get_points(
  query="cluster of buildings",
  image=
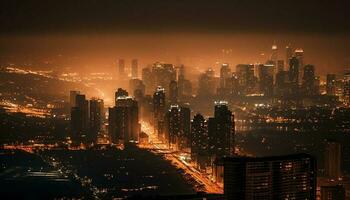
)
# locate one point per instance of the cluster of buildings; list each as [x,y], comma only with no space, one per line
[288,81]
[87,118]
[159,99]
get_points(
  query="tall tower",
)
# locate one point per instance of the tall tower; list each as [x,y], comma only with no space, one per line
[221,130]
[289,53]
[330,84]
[294,74]
[225,73]
[159,111]
[134,68]
[173,92]
[80,118]
[333,159]
[276,177]
[96,118]
[199,141]
[121,67]
[274,54]
[309,80]
[126,126]
[299,54]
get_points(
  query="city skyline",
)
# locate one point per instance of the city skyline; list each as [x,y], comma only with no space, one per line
[166,99]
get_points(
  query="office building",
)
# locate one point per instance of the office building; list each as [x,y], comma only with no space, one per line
[221,131]
[199,141]
[121,67]
[334,192]
[331,84]
[333,159]
[134,68]
[159,111]
[277,177]
[173,92]
[96,118]
[178,127]
[309,86]
[124,120]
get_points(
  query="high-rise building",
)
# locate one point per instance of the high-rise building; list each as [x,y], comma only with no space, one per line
[159,111]
[309,80]
[280,66]
[294,74]
[333,159]
[207,83]
[173,92]
[265,74]
[278,177]
[346,90]
[148,80]
[124,120]
[225,74]
[120,93]
[282,83]
[247,80]
[178,125]
[136,84]
[80,118]
[134,68]
[299,54]
[96,118]
[199,141]
[221,131]
[334,192]
[181,80]
[289,53]
[121,67]
[163,74]
[72,96]
[331,84]
[274,54]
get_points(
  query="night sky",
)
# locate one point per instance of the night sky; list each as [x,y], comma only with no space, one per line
[100,32]
[18,16]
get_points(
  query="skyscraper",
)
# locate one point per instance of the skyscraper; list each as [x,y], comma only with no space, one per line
[221,131]
[278,177]
[289,53]
[274,54]
[96,118]
[247,80]
[346,90]
[173,92]
[178,124]
[72,96]
[265,73]
[333,159]
[225,73]
[121,67]
[299,54]
[199,141]
[80,118]
[309,80]
[134,68]
[294,75]
[136,84]
[207,83]
[159,111]
[124,120]
[331,84]
[336,192]
[120,93]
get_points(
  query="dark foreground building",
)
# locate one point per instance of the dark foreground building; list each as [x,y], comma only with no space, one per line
[277,177]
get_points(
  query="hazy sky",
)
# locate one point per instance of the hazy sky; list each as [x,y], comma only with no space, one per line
[99,32]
